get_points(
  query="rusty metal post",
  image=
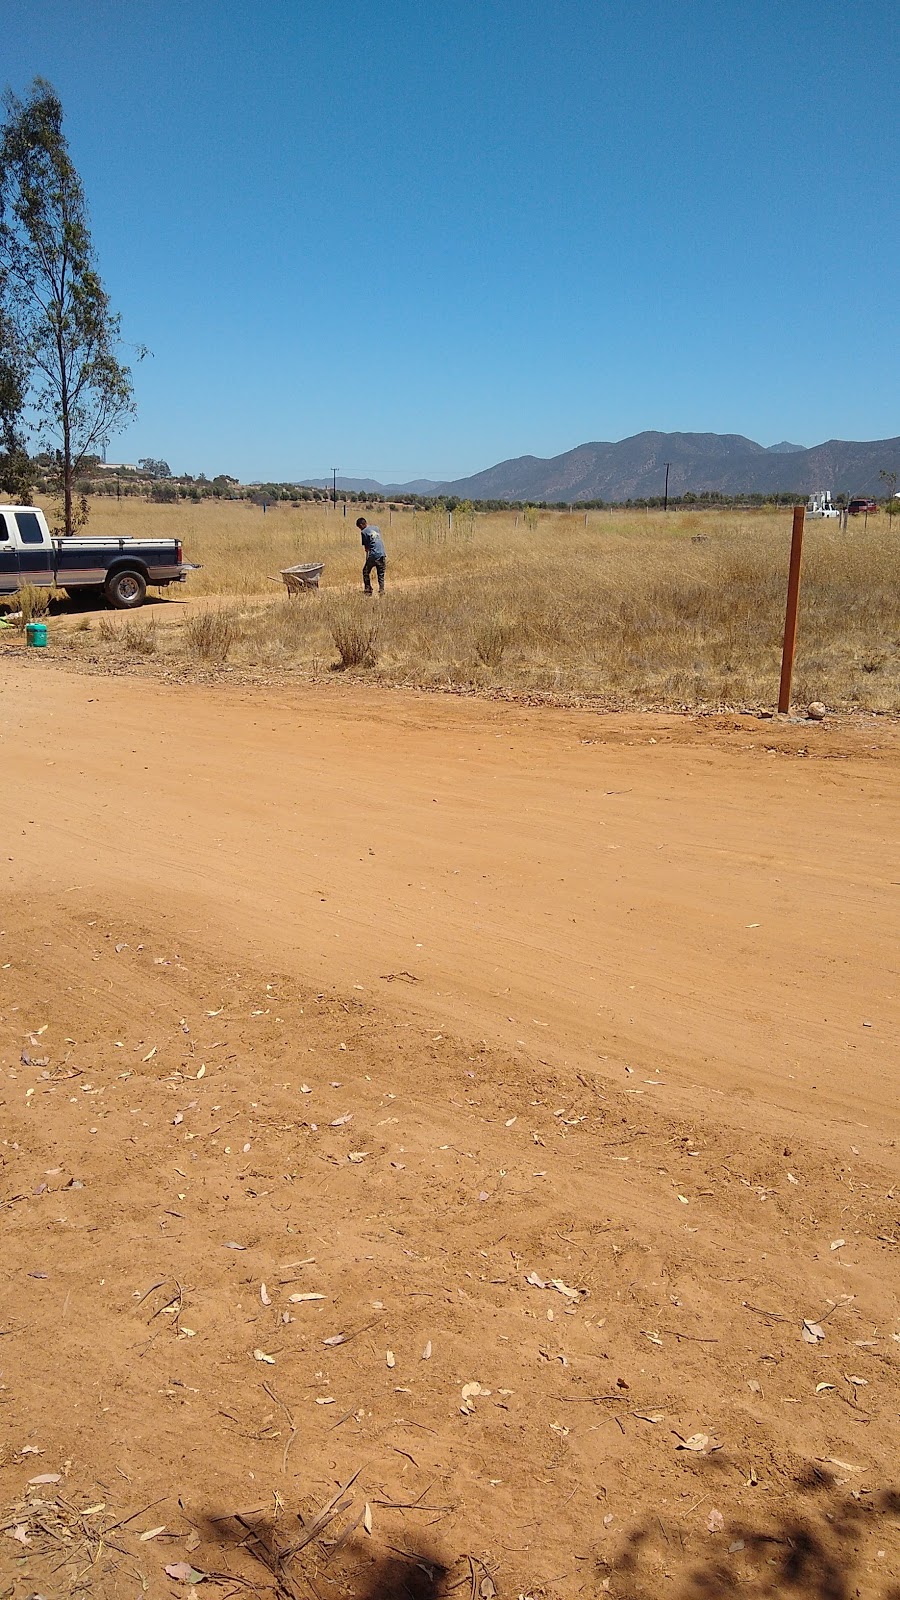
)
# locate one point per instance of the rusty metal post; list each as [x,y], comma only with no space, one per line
[790,613]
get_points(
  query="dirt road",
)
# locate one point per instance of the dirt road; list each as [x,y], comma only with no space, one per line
[669,894]
[612,1001]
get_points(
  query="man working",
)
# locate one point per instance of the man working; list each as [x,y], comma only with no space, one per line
[373,544]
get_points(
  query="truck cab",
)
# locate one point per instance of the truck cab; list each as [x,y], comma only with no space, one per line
[26,551]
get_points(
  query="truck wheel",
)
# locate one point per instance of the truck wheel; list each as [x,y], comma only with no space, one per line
[126,590]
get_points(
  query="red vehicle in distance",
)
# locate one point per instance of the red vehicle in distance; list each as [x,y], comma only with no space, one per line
[860,505]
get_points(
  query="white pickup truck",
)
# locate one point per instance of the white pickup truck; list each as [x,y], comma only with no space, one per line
[120,569]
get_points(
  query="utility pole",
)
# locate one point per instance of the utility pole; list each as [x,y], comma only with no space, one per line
[334,473]
[666,493]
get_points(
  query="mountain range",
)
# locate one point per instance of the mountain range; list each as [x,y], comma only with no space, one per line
[426,486]
[635,469]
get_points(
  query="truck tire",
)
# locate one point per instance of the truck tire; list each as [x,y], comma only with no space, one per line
[126,589]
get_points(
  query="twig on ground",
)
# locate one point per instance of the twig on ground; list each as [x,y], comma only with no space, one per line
[774,1316]
[293,1434]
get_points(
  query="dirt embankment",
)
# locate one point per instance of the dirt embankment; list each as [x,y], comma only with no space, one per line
[333,1000]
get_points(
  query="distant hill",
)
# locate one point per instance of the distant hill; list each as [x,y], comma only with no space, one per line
[635,469]
[727,463]
[426,486]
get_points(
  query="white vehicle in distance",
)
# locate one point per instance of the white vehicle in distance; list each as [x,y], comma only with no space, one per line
[821,505]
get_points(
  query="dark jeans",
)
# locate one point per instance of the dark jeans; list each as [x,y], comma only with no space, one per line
[373,564]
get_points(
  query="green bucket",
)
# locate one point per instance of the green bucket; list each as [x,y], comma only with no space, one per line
[36,634]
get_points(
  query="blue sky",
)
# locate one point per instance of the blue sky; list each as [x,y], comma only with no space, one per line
[412,240]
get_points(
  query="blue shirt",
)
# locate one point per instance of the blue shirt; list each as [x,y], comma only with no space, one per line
[372,541]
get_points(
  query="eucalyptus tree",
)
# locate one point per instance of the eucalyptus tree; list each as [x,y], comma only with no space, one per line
[61,334]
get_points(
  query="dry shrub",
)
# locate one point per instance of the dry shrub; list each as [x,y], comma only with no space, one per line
[210,634]
[135,637]
[27,603]
[490,642]
[355,631]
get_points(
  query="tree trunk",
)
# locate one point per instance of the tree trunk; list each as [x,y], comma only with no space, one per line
[68,528]
[68,514]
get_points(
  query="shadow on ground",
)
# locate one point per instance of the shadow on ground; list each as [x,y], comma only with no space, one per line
[300,1561]
[836,1543]
[828,1548]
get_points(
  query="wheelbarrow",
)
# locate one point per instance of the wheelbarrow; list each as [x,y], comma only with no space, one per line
[304,576]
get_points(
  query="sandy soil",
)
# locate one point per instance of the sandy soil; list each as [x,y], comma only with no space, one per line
[556,1053]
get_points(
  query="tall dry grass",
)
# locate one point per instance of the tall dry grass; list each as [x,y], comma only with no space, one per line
[679,610]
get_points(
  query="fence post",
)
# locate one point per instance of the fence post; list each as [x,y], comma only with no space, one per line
[790,613]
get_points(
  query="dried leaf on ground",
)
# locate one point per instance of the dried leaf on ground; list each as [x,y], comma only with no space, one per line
[698,1442]
[538,1282]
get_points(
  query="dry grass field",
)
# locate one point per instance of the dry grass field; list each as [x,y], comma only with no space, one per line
[632,609]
